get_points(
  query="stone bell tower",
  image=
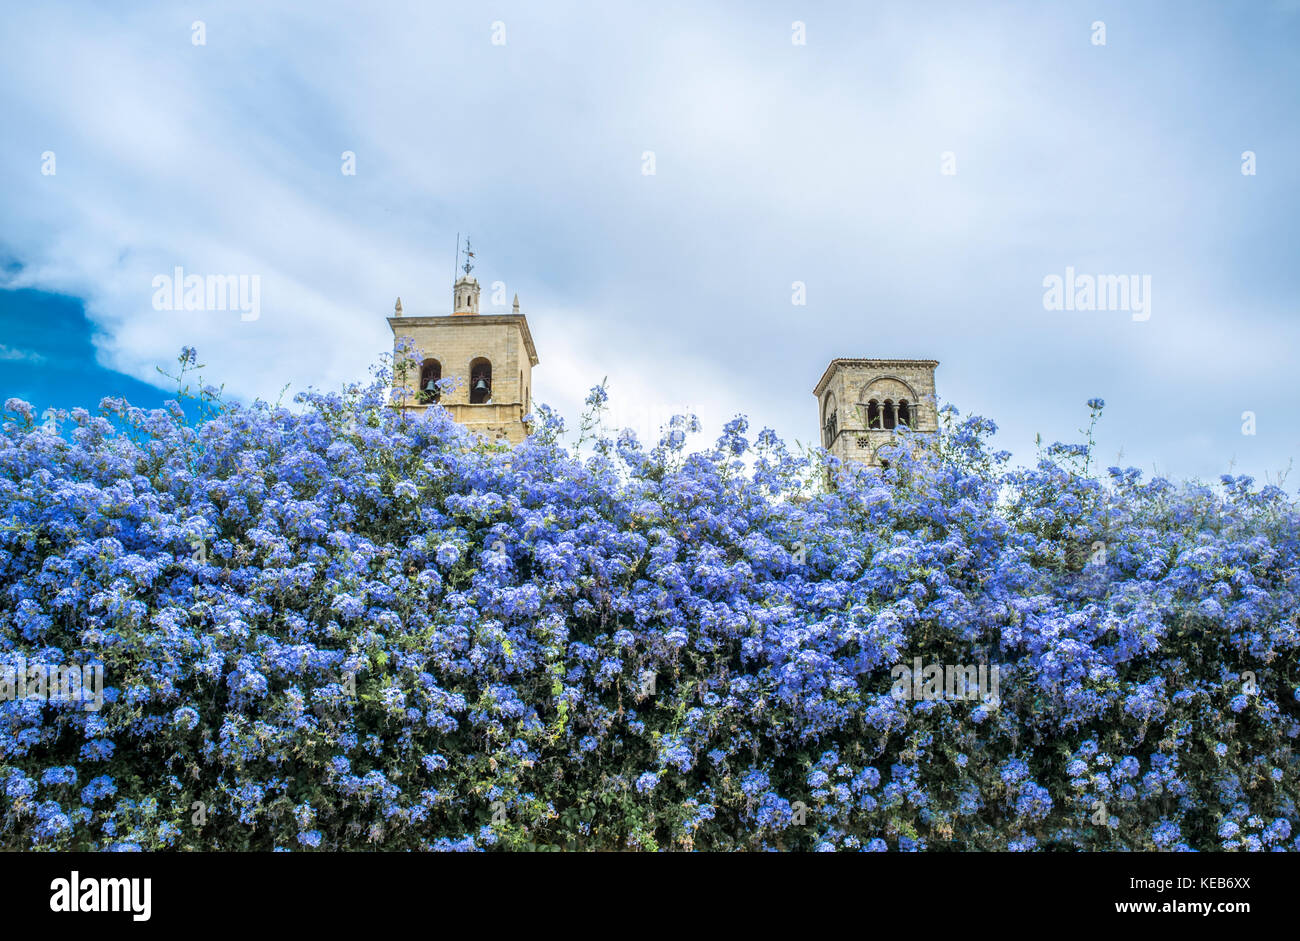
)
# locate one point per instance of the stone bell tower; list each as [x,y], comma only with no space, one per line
[491,355]
[862,403]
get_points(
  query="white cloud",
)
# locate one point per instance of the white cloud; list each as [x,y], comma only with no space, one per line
[14,355]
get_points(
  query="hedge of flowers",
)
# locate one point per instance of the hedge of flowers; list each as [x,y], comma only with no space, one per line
[354,626]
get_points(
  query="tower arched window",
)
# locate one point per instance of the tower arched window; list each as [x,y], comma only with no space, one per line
[830,419]
[873,414]
[480,382]
[891,419]
[430,374]
[904,413]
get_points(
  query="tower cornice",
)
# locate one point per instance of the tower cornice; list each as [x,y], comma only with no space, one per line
[459,320]
[868,364]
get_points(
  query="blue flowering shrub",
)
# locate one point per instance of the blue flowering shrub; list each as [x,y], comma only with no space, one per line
[350,625]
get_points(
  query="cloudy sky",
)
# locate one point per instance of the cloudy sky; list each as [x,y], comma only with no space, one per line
[526,125]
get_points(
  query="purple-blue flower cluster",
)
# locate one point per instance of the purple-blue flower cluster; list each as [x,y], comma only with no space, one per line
[346,625]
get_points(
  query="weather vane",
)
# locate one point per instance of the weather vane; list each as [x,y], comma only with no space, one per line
[468,255]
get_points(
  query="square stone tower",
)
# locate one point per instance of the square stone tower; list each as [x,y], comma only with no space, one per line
[862,401]
[492,354]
